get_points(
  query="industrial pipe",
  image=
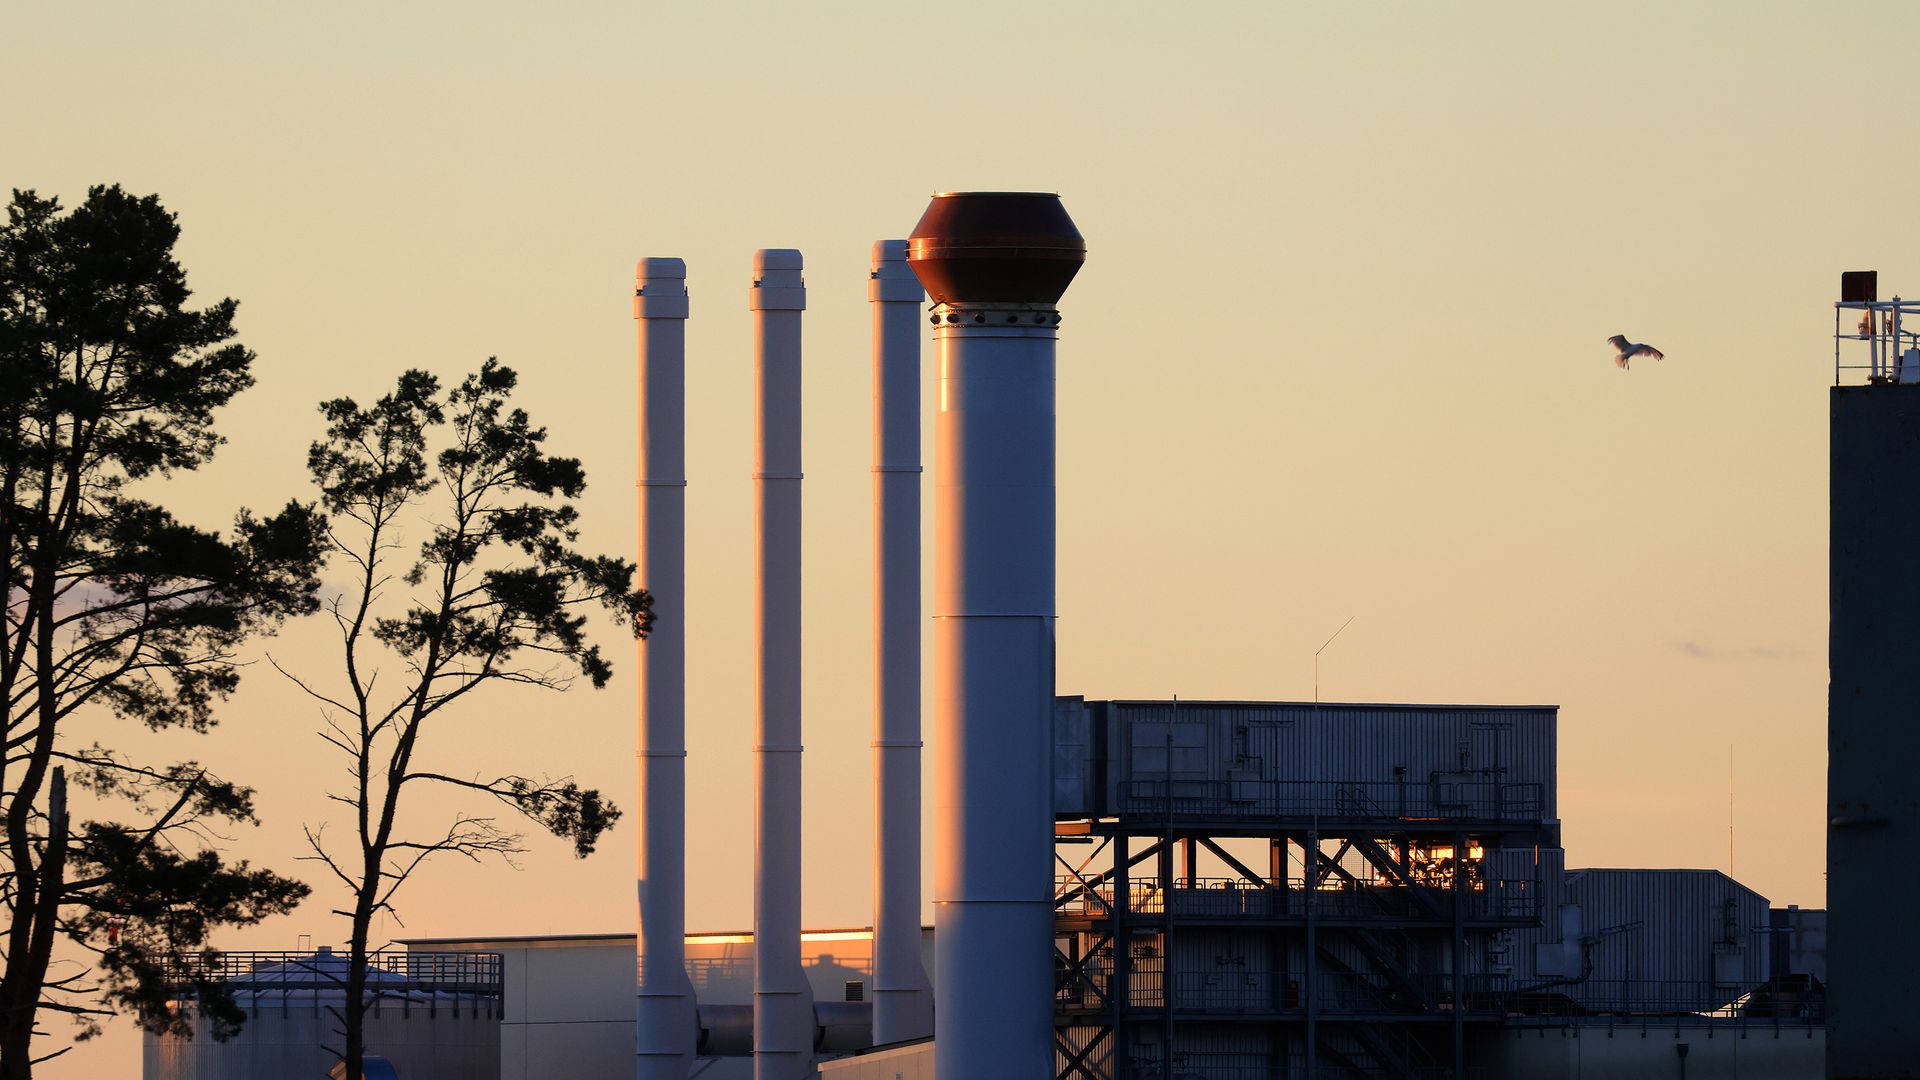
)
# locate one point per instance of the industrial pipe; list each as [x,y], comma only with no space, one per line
[995,265]
[666,1029]
[842,1027]
[902,996]
[726,1030]
[783,1028]
[839,1027]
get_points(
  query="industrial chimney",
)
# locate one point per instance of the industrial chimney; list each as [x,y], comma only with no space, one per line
[783,1023]
[902,998]
[995,264]
[665,1026]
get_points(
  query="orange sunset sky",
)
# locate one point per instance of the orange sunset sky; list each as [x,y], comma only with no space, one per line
[1338,350]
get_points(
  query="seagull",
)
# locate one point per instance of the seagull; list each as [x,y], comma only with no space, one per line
[1628,350]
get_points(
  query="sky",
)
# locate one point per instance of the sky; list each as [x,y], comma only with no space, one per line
[1338,351]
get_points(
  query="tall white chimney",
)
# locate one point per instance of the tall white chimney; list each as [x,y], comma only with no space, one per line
[995,264]
[783,1024]
[902,996]
[666,1030]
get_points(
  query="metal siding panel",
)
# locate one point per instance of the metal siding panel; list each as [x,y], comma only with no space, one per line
[1684,918]
[1072,758]
[1360,744]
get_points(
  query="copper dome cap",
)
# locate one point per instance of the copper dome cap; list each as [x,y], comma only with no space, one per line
[1013,247]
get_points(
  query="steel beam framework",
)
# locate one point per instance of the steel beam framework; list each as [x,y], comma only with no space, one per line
[1357,950]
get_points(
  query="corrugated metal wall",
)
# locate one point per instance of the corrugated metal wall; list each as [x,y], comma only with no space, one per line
[1236,749]
[1697,926]
[1680,940]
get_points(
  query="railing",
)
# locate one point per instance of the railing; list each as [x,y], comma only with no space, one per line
[1260,1067]
[1661,1000]
[1888,328]
[395,975]
[1231,990]
[1442,801]
[1515,900]
[1228,989]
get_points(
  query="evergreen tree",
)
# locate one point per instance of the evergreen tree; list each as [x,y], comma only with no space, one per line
[495,595]
[114,608]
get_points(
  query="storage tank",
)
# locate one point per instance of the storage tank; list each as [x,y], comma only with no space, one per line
[433,1016]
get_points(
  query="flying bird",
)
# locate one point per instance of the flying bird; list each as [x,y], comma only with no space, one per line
[1628,350]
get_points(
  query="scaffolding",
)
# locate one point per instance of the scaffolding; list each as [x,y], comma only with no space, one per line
[1346,928]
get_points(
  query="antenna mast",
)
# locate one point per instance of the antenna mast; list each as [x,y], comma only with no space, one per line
[1321,649]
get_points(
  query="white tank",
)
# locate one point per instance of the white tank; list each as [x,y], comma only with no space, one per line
[436,1016]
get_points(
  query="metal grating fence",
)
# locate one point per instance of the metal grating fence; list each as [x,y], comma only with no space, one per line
[399,977]
[1440,804]
[1516,900]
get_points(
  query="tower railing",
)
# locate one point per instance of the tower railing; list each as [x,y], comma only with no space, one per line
[1885,340]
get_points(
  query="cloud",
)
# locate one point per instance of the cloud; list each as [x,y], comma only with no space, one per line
[1700,650]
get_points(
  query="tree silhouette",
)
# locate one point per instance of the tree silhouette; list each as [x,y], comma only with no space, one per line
[495,594]
[115,608]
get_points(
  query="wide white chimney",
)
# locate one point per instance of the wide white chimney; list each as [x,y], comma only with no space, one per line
[783,1023]
[995,265]
[902,996]
[665,1027]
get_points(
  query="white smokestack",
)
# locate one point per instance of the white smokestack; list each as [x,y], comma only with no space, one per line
[902,996]
[995,264]
[782,1002]
[665,1027]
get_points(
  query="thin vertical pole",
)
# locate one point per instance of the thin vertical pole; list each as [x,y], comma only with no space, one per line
[1120,990]
[1310,855]
[1459,956]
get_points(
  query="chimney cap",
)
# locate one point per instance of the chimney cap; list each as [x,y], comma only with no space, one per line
[1016,247]
[658,267]
[778,259]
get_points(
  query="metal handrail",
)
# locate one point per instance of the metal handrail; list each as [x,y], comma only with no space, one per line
[1228,1066]
[480,974]
[1228,988]
[1888,335]
[1355,800]
[1504,898]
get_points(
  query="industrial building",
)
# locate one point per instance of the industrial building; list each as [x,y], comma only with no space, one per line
[1222,909]
[1874,597]
[1126,890]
